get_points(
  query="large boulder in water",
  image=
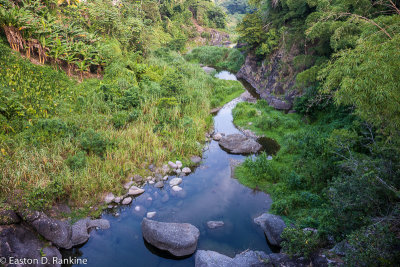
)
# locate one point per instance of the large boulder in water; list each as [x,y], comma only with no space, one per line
[207,258]
[20,242]
[180,239]
[273,226]
[239,144]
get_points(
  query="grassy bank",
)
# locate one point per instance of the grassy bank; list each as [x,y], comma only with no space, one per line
[63,140]
[322,178]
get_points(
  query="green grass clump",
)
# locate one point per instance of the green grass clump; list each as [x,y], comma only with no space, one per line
[219,57]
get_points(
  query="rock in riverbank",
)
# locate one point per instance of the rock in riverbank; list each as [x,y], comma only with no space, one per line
[180,239]
[239,144]
[20,242]
[215,224]
[207,258]
[273,226]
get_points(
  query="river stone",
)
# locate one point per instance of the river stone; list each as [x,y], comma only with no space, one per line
[159,184]
[118,199]
[172,165]
[151,214]
[208,70]
[239,144]
[109,198]
[8,217]
[165,177]
[179,164]
[186,170]
[127,201]
[195,159]
[178,171]
[273,226]
[215,224]
[137,178]
[180,239]
[248,258]
[134,191]
[175,181]
[217,136]
[176,188]
[20,242]
[128,185]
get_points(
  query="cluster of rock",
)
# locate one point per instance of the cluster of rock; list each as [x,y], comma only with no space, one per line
[19,234]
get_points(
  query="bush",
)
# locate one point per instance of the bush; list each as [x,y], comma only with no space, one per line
[77,161]
[120,119]
[93,142]
[299,242]
[48,130]
[375,245]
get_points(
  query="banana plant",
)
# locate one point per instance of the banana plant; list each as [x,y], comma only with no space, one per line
[70,57]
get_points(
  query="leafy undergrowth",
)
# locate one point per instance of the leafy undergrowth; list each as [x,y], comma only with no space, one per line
[219,57]
[323,177]
[61,140]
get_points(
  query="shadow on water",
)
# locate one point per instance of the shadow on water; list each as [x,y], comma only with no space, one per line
[269,145]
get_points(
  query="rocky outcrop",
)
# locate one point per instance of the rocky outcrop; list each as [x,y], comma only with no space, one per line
[180,239]
[62,233]
[239,144]
[273,226]
[248,258]
[21,242]
[271,82]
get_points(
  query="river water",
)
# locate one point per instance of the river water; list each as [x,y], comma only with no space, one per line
[209,193]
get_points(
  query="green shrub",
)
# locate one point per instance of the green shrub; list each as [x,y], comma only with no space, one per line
[375,245]
[299,242]
[48,130]
[93,142]
[43,197]
[120,119]
[76,161]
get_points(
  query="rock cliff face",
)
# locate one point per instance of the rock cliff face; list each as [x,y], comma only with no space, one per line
[272,78]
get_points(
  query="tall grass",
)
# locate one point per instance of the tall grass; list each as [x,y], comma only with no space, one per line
[86,155]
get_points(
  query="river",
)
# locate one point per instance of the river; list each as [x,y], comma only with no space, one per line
[209,193]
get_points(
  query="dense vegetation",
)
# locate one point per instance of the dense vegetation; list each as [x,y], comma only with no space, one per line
[73,139]
[338,167]
[219,57]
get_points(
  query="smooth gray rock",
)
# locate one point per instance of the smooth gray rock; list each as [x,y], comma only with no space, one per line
[165,169]
[239,144]
[137,178]
[215,224]
[172,165]
[179,164]
[208,70]
[186,170]
[176,188]
[109,198]
[135,191]
[217,136]
[207,258]
[127,201]
[195,159]
[175,181]
[8,217]
[273,226]
[159,184]
[151,214]
[21,242]
[180,239]
[128,185]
